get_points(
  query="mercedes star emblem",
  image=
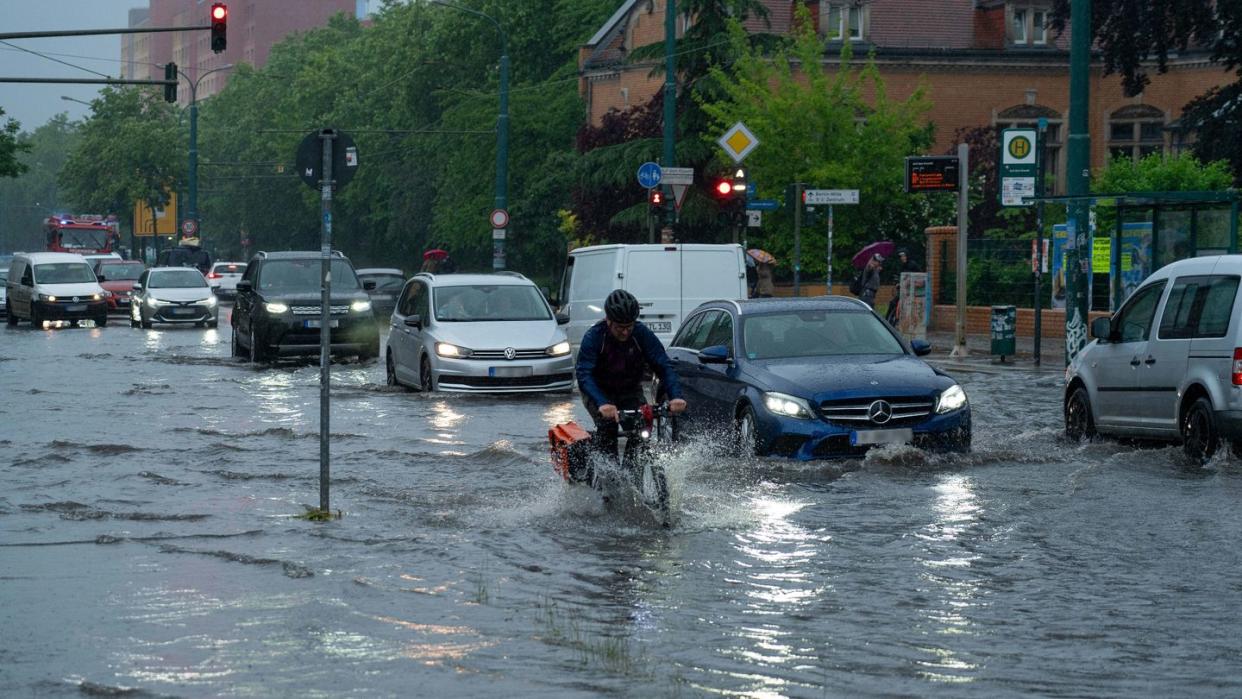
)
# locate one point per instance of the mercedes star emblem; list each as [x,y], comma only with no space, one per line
[510,353]
[880,412]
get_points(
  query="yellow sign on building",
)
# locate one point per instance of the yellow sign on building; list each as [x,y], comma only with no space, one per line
[165,219]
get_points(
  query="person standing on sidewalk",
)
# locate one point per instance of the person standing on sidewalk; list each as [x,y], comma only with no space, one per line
[871,279]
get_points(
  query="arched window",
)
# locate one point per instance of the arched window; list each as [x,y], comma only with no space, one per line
[1027,116]
[1135,131]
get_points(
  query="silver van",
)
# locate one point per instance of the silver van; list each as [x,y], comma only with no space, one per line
[54,286]
[1168,364]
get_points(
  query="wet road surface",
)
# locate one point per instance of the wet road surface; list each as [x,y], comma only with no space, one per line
[149,541]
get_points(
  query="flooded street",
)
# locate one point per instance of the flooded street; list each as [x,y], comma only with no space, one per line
[150,540]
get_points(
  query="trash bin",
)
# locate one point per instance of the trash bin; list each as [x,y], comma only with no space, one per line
[1004,330]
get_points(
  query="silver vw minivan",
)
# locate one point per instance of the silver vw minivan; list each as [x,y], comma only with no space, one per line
[1168,364]
[492,333]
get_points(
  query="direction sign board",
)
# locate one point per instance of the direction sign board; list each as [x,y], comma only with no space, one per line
[932,173]
[738,142]
[820,197]
[1019,166]
[678,175]
[649,175]
[763,205]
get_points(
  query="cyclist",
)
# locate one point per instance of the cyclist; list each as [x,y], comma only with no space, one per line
[611,359]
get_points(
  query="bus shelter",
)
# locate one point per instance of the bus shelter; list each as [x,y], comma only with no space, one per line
[1135,233]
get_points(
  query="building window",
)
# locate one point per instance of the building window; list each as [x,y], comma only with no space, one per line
[841,20]
[1028,25]
[1135,132]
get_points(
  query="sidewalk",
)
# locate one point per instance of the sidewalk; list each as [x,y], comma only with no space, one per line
[981,359]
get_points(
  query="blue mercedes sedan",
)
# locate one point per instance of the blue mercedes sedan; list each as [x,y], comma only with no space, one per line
[812,378]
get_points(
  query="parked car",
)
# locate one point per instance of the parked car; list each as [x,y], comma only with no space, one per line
[388,285]
[53,286]
[173,295]
[4,290]
[1168,364]
[278,307]
[812,378]
[117,277]
[477,332]
[224,276]
[653,273]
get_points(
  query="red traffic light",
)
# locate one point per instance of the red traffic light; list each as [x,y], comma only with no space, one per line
[724,188]
[219,26]
[655,197]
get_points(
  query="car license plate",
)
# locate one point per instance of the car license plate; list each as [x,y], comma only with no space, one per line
[316,323]
[660,326]
[508,372]
[864,437]
[181,311]
[75,308]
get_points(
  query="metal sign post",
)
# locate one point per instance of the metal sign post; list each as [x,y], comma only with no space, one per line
[830,197]
[963,205]
[326,159]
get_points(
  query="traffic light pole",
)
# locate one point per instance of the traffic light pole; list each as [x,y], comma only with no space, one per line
[798,239]
[1078,176]
[670,100]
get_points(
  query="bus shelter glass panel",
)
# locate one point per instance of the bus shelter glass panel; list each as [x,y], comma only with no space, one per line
[1212,232]
[1173,240]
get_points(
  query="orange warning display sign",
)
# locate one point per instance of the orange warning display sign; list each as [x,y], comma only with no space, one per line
[934,173]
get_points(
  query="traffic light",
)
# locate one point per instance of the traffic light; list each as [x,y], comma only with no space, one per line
[170,91]
[219,25]
[655,197]
[723,190]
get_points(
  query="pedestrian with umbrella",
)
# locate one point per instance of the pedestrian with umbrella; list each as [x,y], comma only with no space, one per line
[764,262]
[871,261]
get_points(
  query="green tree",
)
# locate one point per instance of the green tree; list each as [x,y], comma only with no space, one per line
[1158,173]
[1136,35]
[29,198]
[130,150]
[829,130]
[10,147]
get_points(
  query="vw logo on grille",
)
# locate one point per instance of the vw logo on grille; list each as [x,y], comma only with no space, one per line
[75,298]
[510,353]
[880,412]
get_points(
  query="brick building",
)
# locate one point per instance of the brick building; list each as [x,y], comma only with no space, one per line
[254,26]
[987,62]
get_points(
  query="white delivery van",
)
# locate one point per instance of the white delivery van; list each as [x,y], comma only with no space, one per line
[668,280]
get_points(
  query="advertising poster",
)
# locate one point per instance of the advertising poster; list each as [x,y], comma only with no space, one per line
[1135,261]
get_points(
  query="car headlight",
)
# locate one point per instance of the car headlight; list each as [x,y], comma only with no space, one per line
[210,301]
[360,306]
[444,349]
[156,303]
[560,349]
[787,405]
[951,398]
[276,307]
[46,297]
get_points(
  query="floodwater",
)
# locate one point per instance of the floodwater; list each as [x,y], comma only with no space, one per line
[150,545]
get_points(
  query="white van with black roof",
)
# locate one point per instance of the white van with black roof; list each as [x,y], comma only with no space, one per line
[1168,364]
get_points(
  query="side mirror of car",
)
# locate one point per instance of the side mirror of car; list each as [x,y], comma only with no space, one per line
[921,348]
[1102,329]
[414,320]
[244,285]
[562,318]
[368,285]
[716,354]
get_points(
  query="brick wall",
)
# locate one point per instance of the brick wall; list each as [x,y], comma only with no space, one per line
[979,320]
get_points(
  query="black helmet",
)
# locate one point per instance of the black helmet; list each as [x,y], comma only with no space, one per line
[621,307]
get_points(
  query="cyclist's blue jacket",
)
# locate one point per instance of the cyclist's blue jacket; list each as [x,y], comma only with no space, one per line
[608,367]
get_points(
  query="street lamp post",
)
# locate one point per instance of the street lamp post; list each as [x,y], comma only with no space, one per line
[192,204]
[502,133]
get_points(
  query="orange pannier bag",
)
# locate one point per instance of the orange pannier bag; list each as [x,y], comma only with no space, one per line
[570,445]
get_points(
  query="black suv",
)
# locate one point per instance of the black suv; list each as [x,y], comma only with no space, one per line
[277,312]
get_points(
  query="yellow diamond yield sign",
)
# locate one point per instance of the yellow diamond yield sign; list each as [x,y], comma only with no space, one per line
[738,142]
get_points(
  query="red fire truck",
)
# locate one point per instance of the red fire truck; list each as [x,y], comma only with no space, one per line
[86,234]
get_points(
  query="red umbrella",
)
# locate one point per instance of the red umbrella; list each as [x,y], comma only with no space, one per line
[435,254]
[884,248]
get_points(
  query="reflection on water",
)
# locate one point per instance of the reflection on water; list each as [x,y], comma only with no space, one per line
[948,553]
[278,396]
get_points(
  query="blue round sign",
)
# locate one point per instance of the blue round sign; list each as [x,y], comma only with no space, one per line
[649,175]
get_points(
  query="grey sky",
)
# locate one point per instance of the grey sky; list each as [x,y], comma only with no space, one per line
[34,104]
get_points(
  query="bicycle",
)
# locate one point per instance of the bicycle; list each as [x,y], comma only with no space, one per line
[643,429]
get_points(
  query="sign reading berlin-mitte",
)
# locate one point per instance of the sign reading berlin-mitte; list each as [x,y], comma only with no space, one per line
[931,173]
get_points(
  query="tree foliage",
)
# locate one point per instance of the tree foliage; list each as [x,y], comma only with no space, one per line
[130,149]
[1157,173]
[831,130]
[1134,35]
[29,198]
[10,147]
